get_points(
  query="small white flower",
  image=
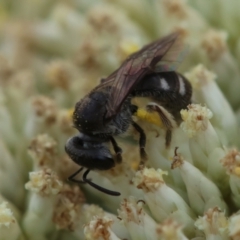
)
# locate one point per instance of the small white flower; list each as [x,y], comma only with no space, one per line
[9,226]
[202,192]
[214,224]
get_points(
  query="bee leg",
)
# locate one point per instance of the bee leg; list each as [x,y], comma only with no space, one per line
[168,138]
[142,143]
[101,189]
[117,150]
[71,178]
[166,118]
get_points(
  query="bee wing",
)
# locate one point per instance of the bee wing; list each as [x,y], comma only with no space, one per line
[173,58]
[160,56]
[105,82]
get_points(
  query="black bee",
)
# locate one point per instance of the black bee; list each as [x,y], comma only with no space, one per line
[107,110]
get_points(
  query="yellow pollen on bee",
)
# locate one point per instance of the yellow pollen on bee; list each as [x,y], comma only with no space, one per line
[151,117]
[237,171]
[70,112]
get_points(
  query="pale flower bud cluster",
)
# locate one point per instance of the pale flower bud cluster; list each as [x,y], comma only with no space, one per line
[67,210]
[195,119]
[9,226]
[214,224]
[52,53]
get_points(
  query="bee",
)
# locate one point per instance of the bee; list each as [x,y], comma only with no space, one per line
[107,110]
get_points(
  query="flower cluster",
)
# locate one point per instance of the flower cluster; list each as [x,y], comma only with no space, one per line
[52,53]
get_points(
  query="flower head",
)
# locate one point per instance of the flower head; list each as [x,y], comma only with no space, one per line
[52,56]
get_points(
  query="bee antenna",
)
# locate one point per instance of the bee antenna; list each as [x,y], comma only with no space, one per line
[101,189]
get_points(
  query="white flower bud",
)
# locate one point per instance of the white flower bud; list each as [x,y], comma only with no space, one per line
[223,116]
[214,224]
[43,114]
[42,149]
[66,214]
[44,186]
[139,224]
[170,230]
[205,144]
[234,226]
[202,193]
[100,228]
[231,162]
[163,201]
[9,227]
[195,119]
[10,176]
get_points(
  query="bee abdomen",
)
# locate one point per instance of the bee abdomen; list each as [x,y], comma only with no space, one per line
[170,89]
